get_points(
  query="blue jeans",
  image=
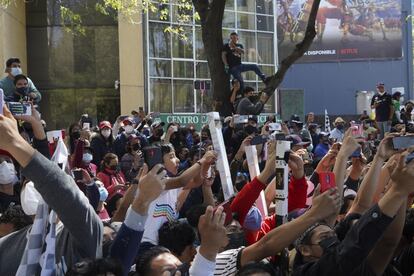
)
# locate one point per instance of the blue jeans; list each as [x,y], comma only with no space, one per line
[384,127]
[236,71]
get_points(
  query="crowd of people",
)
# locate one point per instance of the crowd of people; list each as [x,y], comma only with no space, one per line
[141,197]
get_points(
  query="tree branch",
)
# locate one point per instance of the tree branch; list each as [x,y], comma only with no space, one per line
[297,53]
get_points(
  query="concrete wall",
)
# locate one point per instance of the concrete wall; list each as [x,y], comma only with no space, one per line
[131,62]
[13,34]
[333,85]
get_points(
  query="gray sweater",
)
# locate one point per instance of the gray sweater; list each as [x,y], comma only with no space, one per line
[246,107]
[81,234]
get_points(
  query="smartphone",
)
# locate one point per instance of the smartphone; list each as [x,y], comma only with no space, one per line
[152,156]
[275,127]
[258,140]
[357,153]
[78,175]
[240,119]
[86,126]
[327,181]
[1,101]
[402,142]
[17,108]
[358,130]
[409,158]
[226,209]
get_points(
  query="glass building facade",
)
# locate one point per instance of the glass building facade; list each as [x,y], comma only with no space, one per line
[174,64]
[75,73]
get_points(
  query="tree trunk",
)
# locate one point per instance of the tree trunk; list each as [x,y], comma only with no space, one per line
[211,16]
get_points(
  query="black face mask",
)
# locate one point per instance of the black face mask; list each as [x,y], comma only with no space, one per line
[249,129]
[252,98]
[329,243]
[113,167]
[23,91]
[340,126]
[158,132]
[75,135]
[136,147]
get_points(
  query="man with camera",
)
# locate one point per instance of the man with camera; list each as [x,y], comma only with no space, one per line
[384,110]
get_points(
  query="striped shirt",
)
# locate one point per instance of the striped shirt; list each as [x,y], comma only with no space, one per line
[228,262]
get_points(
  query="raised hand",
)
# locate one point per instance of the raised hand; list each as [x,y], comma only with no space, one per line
[326,204]
[385,149]
[212,232]
[296,165]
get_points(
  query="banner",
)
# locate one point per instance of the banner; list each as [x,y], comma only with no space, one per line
[345,29]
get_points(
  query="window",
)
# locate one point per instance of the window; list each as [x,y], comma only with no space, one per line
[174,64]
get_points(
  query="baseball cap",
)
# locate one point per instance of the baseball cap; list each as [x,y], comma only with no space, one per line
[253,220]
[105,124]
[296,140]
[127,121]
[380,84]
[157,124]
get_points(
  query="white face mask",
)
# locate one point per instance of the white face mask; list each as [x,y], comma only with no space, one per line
[16,71]
[87,157]
[7,173]
[29,199]
[129,129]
[106,133]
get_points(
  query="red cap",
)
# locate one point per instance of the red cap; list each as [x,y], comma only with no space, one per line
[6,153]
[105,124]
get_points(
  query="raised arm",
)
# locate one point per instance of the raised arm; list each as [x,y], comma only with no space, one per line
[324,205]
[365,196]
[57,189]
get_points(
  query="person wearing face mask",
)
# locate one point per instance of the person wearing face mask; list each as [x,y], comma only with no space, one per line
[114,181]
[132,160]
[102,143]
[8,179]
[83,157]
[323,147]
[246,106]
[384,109]
[339,131]
[22,92]
[13,69]
[157,132]
[121,139]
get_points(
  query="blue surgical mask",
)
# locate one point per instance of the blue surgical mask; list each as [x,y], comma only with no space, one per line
[103,193]
[16,71]
[87,158]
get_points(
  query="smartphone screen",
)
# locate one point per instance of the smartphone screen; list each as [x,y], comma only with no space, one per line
[86,126]
[77,174]
[258,140]
[327,181]
[402,142]
[17,108]
[152,156]
[357,130]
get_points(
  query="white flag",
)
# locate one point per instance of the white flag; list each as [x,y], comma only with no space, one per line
[60,156]
[327,122]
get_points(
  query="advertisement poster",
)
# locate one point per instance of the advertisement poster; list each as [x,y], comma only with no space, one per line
[345,29]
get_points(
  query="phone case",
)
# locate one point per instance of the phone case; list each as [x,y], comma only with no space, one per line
[327,181]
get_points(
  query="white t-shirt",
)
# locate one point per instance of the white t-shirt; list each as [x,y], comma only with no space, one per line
[161,210]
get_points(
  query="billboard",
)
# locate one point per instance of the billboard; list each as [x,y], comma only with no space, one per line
[345,29]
